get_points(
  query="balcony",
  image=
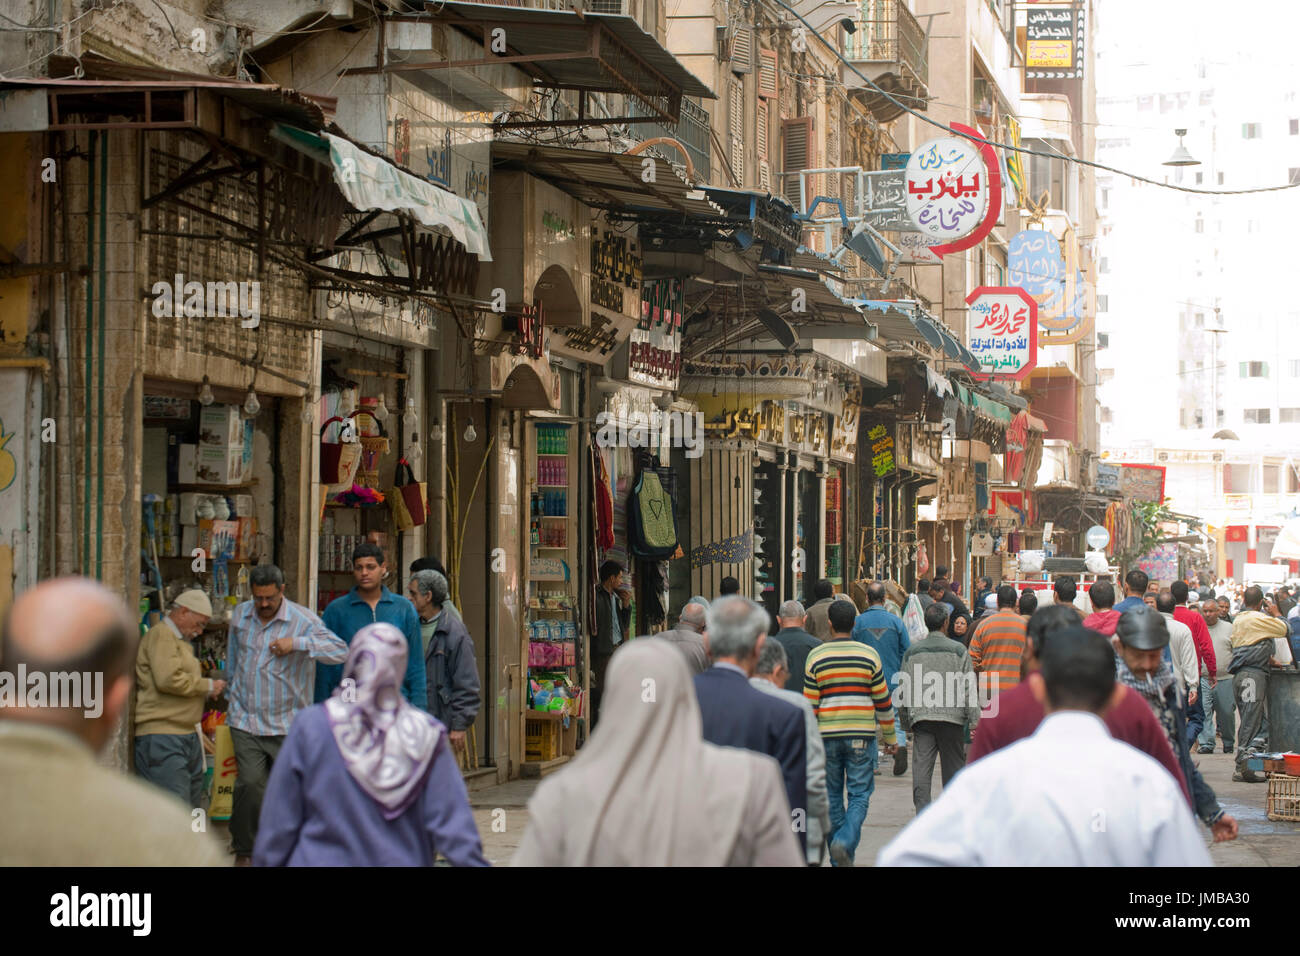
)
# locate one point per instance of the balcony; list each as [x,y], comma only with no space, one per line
[890,49]
[691,131]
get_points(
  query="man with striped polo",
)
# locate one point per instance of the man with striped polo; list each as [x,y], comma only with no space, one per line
[998,646]
[845,682]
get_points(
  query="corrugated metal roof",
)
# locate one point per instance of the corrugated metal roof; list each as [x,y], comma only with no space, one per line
[605,180]
[534,31]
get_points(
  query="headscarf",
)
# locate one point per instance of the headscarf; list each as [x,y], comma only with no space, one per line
[647,790]
[1153,689]
[386,744]
[963,639]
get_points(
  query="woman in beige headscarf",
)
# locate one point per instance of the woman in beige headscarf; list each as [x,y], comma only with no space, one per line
[647,790]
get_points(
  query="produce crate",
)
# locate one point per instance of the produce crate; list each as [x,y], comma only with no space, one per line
[1283,797]
[542,737]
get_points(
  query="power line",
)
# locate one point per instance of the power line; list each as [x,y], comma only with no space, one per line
[1007,146]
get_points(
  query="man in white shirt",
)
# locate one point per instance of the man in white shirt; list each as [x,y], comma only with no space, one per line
[1070,795]
[770,676]
[1182,648]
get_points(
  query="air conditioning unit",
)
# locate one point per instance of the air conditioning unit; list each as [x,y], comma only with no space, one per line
[1162,456]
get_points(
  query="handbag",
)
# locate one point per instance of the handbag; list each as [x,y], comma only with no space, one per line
[338,460]
[408,499]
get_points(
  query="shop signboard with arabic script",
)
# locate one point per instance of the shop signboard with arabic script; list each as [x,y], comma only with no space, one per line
[947,189]
[1003,331]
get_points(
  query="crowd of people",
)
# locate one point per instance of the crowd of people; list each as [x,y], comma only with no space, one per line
[1064,730]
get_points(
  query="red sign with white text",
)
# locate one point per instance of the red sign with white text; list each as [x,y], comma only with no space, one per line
[1003,324]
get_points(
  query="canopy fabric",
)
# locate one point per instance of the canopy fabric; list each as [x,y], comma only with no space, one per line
[370,182]
[1287,545]
[989,407]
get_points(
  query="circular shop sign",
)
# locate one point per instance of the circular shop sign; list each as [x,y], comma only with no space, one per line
[947,188]
[1097,537]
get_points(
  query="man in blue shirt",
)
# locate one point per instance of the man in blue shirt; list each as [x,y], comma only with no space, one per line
[879,629]
[368,602]
[1135,585]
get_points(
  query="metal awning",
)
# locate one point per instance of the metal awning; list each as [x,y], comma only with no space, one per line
[567,49]
[828,314]
[904,320]
[609,181]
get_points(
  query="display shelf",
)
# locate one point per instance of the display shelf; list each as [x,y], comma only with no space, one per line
[177,488]
[557,487]
[544,517]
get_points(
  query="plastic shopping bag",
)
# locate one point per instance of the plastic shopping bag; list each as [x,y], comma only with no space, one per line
[914,620]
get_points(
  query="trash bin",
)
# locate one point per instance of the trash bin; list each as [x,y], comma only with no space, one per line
[1284,710]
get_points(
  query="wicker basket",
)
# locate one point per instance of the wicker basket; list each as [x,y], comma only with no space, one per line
[1283,797]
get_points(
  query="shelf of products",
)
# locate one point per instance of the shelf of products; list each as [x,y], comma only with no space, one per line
[833,570]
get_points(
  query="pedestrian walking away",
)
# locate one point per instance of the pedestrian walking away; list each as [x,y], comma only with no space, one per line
[690,636]
[1259,643]
[796,641]
[886,634]
[1220,704]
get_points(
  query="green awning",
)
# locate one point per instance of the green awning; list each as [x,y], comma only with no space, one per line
[990,408]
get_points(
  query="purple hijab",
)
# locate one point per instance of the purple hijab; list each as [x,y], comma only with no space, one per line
[386,744]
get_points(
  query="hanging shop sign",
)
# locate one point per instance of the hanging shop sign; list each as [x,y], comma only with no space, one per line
[655,345]
[1107,477]
[530,331]
[1054,42]
[615,271]
[894,160]
[1143,482]
[954,190]
[1048,269]
[441,143]
[1003,331]
[882,450]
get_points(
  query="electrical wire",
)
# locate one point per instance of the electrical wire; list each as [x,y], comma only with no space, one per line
[1019,149]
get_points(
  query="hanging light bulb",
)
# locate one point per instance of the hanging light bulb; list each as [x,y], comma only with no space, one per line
[251,405]
[413,451]
[206,397]
[435,433]
[470,434]
[411,418]
[381,412]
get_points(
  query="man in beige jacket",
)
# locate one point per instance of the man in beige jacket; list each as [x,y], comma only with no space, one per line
[60,807]
[169,693]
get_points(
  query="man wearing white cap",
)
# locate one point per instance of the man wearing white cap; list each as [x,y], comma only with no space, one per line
[170,690]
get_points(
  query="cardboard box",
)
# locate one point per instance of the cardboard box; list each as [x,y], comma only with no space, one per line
[244,507]
[220,464]
[187,465]
[188,501]
[246,540]
[221,425]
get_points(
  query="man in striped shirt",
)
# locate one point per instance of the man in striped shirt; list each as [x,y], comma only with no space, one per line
[998,646]
[270,659]
[845,682]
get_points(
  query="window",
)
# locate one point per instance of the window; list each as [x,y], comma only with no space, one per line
[1200,224]
[1198,320]
[1107,416]
[1207,97]
[1270,479]
[1293,175]
[1252,130]
[1182,418]
[1220,179]
[1288,415]
[1200,177]
[1103,303]
[1182,367]
[1198,419]
[1295,127]
[1253,369]
[1048,172]
[1103,341]
[1218,417]
[1145,102]
[1256,416]
[1166,103]
[1105,199]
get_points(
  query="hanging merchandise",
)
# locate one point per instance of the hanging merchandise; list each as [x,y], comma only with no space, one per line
[652,526]
[407,498]
[339,460]
[374,443]
[922,561]
[604,504]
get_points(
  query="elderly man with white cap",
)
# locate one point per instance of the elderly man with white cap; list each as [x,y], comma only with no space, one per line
[170,690]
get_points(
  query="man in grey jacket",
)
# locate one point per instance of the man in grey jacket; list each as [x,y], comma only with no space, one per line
[770,675]
[689,637]
[449,663]
[937,699]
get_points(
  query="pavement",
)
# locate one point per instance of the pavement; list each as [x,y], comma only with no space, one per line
[502,817]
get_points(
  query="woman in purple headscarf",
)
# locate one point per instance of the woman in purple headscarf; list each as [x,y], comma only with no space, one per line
[365,779]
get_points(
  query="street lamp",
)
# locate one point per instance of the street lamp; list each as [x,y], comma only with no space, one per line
[1181,156]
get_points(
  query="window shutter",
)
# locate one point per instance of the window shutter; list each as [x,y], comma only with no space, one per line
[767,73]
[742,51]
[762,128]
[736,124]
[832,158]
[798,148]
[765,175]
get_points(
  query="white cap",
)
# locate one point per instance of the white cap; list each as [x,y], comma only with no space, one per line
[196,601]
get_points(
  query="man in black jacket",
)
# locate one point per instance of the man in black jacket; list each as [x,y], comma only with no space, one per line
[613,618]
[736,714]
[796,641]
[449,664]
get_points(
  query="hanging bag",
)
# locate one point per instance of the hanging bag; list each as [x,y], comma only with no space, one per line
[652,526]
[408,498]
[338,460]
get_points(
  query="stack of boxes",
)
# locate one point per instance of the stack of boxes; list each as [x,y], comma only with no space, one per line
[224,453]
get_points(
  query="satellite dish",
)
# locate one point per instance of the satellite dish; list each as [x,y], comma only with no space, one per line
[780,329]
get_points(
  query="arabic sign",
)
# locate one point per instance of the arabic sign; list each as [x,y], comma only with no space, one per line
[1143,482]
[1107,477]
[1054,42]
[1003,331]
[894,160]
[947,188]
[882,450]
[915,248]
[1047,268]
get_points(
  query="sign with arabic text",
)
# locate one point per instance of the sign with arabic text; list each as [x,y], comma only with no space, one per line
[882,450]
[1003,335]
[947,188]
[1048,269]
[1054,42]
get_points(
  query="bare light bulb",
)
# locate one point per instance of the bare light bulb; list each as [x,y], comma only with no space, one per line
[251,405]
[381,412]
[411,418]
[414,452]
[206,397]
[470,434]
[435,433]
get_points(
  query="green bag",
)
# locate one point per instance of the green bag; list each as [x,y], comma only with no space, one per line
[652,526]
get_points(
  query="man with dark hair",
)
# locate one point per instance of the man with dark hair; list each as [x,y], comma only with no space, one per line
[997,645]
[433,564]
[940,590]
[937,722]
[886,635]
[1066,590]
[273,646]
[1259,642]
[613,619]
[1142,636]
[1017,713]
[1028,602]
[728,586]
[369,602]
[923,593]
[818,624]
[941,574]
[1135,587]
[1070,795]
[1104,617]
[847,687]
[60,805]
[985,588]
[1218,701]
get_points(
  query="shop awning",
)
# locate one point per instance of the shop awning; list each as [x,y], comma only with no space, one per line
[370,182]
[911,323]
[989,408]
[609,181]
[575,50]
[827,315]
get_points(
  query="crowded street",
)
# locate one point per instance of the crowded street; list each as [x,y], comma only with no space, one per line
[573,434]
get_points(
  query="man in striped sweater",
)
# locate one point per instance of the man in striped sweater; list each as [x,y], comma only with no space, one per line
[998,647]
[845,682]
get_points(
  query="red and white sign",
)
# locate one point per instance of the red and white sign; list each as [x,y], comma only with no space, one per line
[954,190]
[1003,335]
